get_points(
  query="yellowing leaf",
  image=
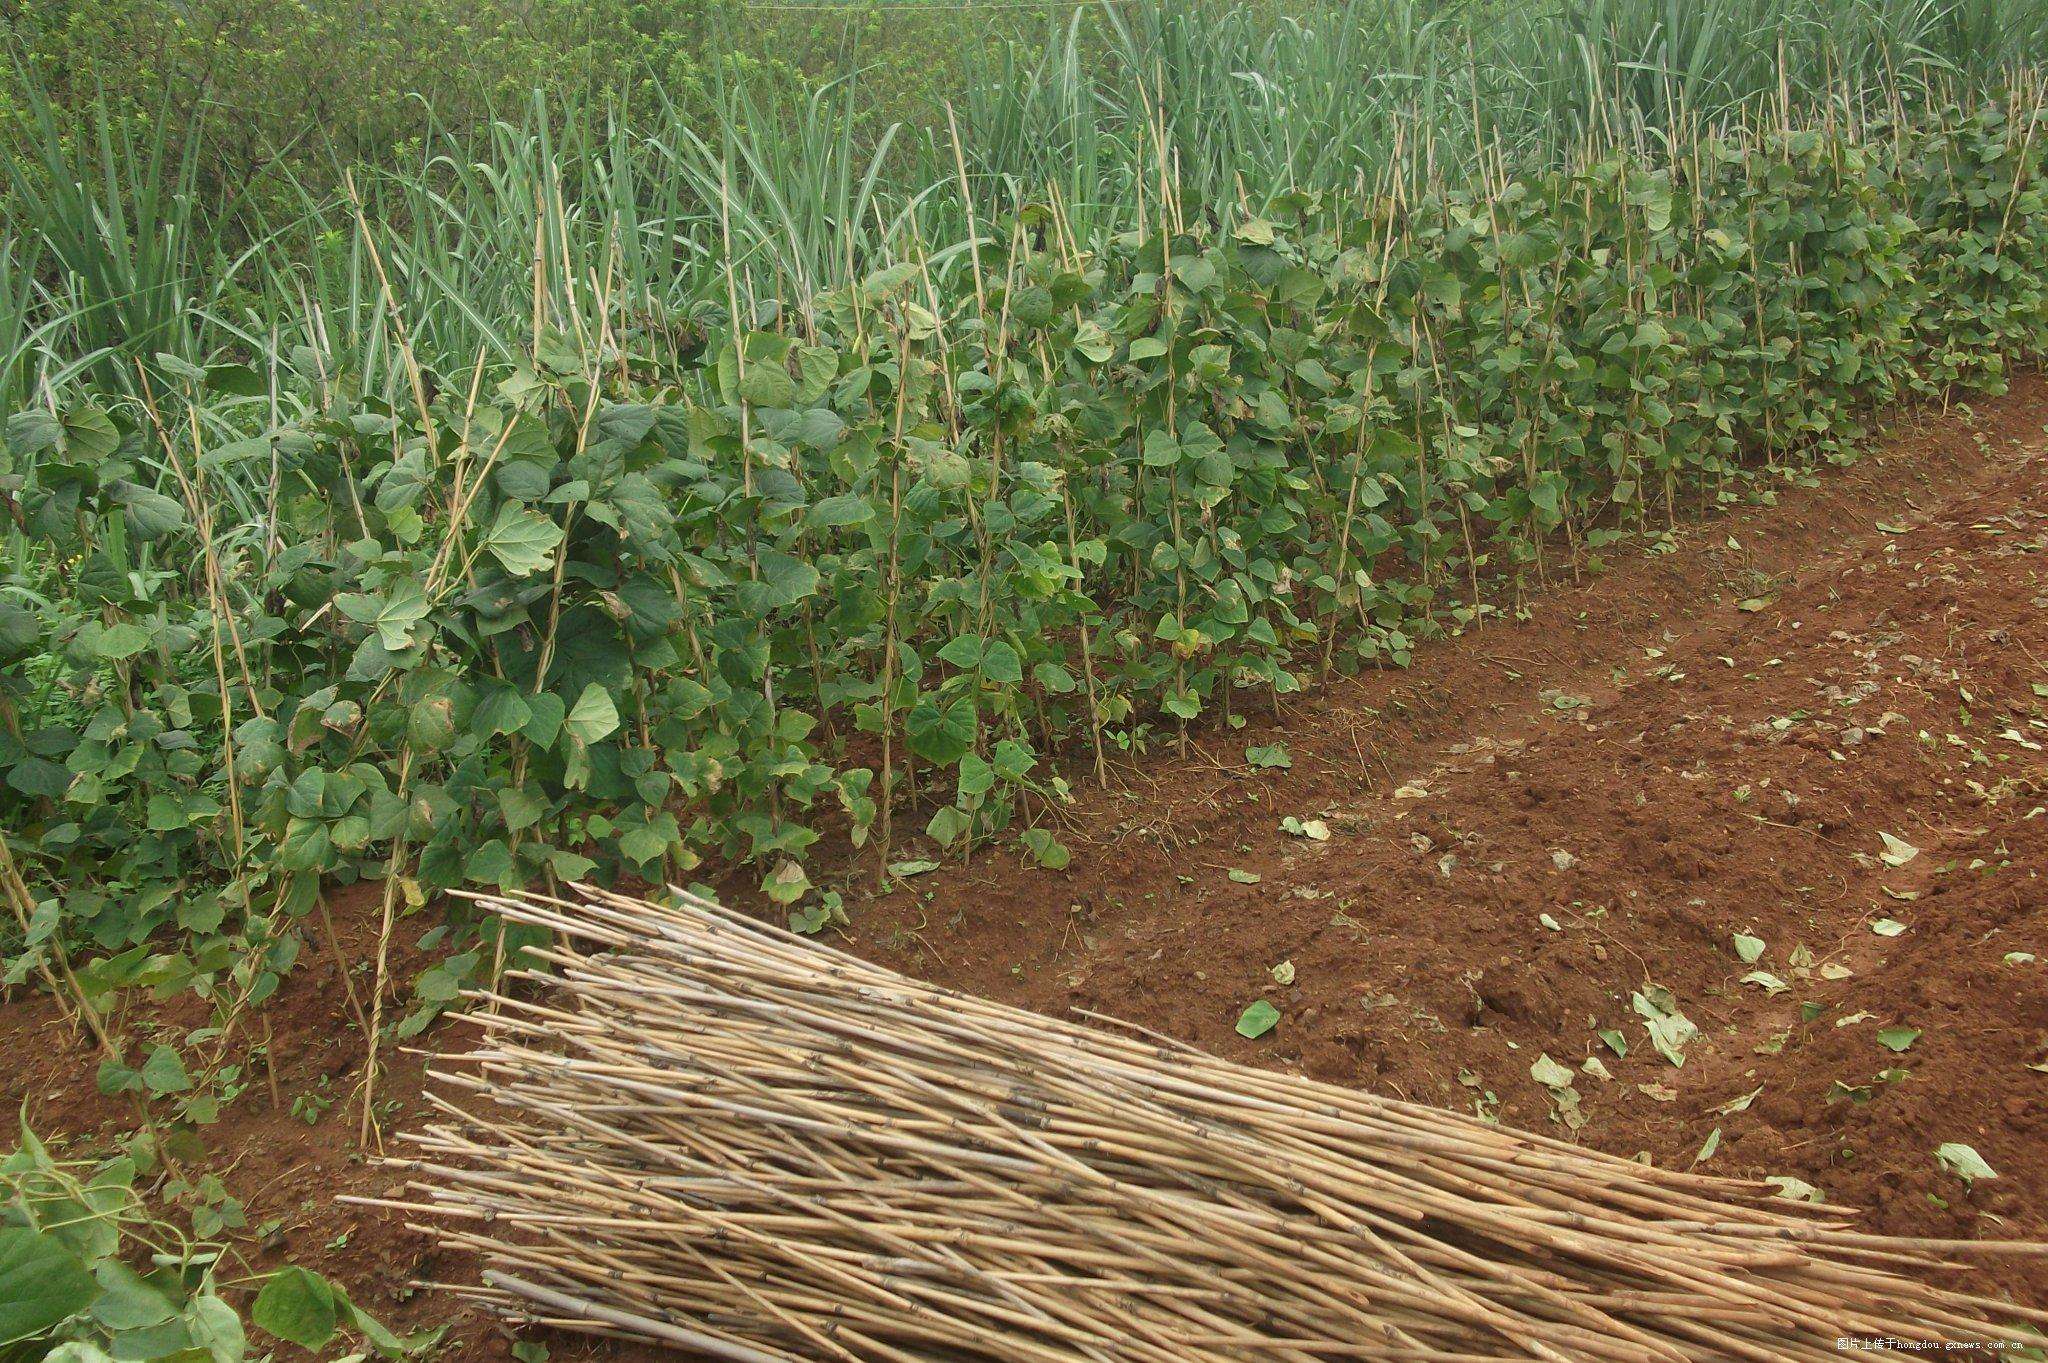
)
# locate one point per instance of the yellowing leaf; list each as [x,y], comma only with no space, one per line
[1963,1161]
[592,717]
[1795,1189]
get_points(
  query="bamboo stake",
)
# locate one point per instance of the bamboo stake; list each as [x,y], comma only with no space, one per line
[692,1129]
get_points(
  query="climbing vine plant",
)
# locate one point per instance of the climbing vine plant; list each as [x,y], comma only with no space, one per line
[903,559]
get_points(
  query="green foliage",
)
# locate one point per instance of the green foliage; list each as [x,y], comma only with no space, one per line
[187,177]
[88,1274]
[259,78]
[593,613]
[594,496]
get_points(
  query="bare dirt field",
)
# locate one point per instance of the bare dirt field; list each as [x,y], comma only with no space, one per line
[1810,733]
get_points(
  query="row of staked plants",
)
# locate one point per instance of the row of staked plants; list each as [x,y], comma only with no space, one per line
[898,561]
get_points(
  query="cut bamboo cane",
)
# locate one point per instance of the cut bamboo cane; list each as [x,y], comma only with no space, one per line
[712,1135]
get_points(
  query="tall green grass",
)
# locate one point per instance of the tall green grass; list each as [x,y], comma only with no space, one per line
[113,234]
[115,256]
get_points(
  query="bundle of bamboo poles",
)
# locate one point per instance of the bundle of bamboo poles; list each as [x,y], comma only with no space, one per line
[709,1134]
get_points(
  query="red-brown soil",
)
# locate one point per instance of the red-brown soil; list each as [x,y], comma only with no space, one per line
[1536,820]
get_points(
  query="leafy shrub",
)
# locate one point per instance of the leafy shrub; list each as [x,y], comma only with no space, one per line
[599,611]
[88,1275]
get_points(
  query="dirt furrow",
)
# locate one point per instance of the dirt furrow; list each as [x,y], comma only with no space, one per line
[1545,821]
